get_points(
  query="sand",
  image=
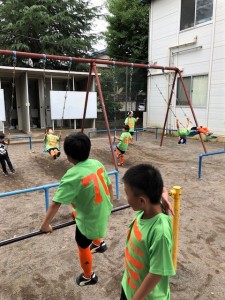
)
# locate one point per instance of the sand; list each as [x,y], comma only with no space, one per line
[45,266]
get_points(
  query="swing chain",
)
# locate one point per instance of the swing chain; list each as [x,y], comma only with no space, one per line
[114,89]
[13,87]
[67,88]
[130,87]
[178,101]
[44,83]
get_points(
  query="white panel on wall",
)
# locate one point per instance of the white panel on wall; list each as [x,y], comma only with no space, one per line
[74,105]
[2,105]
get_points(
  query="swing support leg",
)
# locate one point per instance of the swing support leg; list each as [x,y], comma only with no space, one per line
[93,67]
[168,107]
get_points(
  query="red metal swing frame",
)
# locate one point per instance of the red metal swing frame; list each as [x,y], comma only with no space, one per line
[93,68]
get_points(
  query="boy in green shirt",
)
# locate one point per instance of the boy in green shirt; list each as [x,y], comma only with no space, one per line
[122,146]
[148,262]
[52,143]
[87,187]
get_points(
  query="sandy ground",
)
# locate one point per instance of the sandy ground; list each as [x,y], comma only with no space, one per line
[45,266]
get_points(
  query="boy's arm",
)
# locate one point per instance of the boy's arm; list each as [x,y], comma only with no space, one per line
[147,286]
[165,201]
[117,138]
[52,210]
[110,192]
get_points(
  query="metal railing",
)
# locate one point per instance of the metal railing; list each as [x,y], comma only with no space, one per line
[201,157]
[13,137]
[46,188]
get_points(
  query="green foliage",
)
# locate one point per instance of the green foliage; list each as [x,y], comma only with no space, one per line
[47,26]
[109,86]
[127,40]
[127,35]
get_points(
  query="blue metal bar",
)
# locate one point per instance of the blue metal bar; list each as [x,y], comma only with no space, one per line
[206,154]
[46,198]
[103,130]
[34,189]
[22,137]
[48,186]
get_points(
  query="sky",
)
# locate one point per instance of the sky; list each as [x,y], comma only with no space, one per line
[101,24]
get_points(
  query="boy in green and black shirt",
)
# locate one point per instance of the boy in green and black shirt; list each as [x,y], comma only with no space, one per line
[87,187]
[122,146]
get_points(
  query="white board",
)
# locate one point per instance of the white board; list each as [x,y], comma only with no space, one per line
[2,105]
[74,105]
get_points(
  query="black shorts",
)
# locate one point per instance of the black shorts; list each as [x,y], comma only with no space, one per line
[81,240]
[123,296]
[122,152]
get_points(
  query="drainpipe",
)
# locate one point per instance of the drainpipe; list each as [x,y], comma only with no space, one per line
[211,61]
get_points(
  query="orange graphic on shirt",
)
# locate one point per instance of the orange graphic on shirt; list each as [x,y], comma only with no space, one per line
[137,232]
[132,262]
[94,178]
[131,124]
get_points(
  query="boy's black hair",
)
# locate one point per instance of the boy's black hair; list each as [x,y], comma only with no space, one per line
[126,127]
[2,136]
[145,179]
[77,145]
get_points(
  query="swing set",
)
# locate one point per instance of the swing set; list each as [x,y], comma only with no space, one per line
[93,69]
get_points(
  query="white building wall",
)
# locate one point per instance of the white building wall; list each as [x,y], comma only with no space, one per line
[201,51]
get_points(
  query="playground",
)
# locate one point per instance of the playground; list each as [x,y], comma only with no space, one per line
[45,266]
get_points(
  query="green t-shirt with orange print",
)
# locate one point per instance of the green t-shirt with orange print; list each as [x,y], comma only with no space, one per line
[125,139]
[85,185]
[131,123]
[51,141]
[148,250]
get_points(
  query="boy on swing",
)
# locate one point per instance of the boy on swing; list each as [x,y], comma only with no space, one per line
[52,143]
[182,133]
[122,146]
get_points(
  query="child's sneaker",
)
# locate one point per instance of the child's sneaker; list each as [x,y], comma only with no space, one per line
[13,171]
[6,173]
[58,154]
[82,281]
[119,164]
[54,156]
[98,248]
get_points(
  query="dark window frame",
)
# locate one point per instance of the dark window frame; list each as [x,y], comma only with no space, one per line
[195,12]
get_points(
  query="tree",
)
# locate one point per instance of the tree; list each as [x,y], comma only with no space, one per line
[47,26]
[127,35]
[127,40]
[109,86]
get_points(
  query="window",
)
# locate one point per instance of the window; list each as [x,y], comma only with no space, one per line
[197,88]
[194,12]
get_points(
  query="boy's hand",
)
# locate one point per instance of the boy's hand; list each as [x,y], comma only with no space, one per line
[46,229]
[167,205]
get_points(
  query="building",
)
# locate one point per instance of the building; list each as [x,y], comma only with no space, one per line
[30,98]
[190,35]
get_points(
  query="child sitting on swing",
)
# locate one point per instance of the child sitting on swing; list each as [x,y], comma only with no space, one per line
[122,146]
[182,133]
[52,143]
